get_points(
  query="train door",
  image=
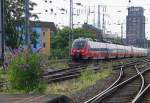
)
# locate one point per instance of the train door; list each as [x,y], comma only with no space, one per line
[132,51]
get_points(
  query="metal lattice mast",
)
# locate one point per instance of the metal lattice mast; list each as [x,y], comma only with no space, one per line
[99,16]
[2,29]
[104,9]
[27,22]
[70,25]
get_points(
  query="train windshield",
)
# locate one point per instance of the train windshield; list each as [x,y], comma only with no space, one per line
[79,44]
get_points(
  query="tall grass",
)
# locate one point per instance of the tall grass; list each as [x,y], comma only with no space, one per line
[87,78]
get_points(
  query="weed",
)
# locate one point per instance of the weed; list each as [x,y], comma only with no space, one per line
[87,78]
[24,73]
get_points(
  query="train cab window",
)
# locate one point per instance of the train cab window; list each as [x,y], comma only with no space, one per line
[79,44]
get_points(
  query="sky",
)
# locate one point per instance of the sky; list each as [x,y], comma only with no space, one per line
[115,13]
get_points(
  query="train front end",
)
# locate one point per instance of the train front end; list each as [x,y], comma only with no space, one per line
[79,49]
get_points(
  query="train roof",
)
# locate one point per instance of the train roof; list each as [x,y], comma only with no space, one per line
[90,40]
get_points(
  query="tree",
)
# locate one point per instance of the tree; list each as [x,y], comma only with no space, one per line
[60,44]
[81,32]
[117,40]
[14,18]
[61,39]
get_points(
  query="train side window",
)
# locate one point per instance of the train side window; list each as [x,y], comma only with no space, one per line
[92,49]
[104,49]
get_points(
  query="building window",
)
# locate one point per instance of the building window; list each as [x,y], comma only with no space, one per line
[43,34]
[44,45]
[44,37]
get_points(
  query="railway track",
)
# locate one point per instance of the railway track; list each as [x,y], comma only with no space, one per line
[66,74]
[71,72]
[144,96]
[129,85]
[129,80]
[74,71]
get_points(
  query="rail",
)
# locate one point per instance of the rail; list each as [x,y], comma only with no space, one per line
[142,86]
[118,79]
[140,96]
[108,92]
[66,74]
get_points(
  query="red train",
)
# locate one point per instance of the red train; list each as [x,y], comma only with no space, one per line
[88,49]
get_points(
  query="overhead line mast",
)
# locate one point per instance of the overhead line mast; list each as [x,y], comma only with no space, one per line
[71,25]
[27,23]
[2,30]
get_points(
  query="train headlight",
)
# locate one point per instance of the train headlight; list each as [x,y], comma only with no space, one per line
[82,50]
[74,51]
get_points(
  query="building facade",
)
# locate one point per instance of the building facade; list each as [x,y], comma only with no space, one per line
[135,27]
[42,31]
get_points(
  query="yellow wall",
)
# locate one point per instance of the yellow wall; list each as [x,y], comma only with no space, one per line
[45,39]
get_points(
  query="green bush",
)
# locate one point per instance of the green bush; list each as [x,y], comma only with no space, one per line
[24,73]
[60,53]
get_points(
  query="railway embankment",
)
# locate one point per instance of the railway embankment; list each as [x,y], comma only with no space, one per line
[82,82]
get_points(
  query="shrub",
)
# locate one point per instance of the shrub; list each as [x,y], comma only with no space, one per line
[60,53]
[24,73]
